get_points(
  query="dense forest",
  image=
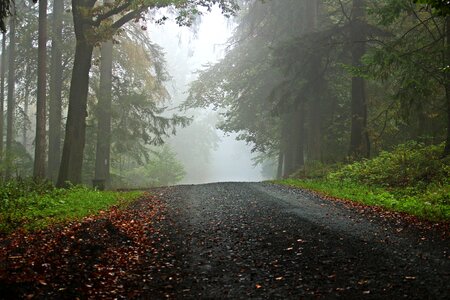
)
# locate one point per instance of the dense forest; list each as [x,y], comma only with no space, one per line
[306,83]
[98,89]
[332,81]
[118,116]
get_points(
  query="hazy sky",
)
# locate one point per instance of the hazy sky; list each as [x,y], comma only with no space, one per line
[187,50]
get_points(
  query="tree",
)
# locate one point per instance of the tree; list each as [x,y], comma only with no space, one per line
[11,100]
[5,12]
[359,141]
[2,92]
[41,136]
[55,96]
[103,149]
[88,33]
[447,79]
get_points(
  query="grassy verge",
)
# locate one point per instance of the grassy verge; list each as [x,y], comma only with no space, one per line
[412,178]
[374,196]
[40,207]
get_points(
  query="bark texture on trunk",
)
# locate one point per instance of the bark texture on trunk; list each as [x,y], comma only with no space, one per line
[75,133]
[289,143]
[2,93]
[447,87]
[280,164]
[103,150]
[25,109]
[55,101]
[11,99]
[41,136]
[300,136]
[102,158]
[359,141]
[74,140]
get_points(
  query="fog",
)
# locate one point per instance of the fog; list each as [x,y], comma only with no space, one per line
[207,153]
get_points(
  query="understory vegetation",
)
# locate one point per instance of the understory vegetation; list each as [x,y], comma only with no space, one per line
[25,204]
[412,178]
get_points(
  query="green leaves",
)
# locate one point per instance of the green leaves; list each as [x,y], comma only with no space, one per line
[441,7]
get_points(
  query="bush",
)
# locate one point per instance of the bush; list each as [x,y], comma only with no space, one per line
[412,178]
[408,165]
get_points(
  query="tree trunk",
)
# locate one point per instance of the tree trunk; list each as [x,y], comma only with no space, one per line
[2,93]
[11,99]
[314,141]
[280,164]
[40,141]
[315,116]
[359,142]
[74,139]
[300,136]
[447,86]
[25,108]
[289,144]
[55,103]
[103,150]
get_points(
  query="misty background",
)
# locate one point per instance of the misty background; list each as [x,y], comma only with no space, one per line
[207,153]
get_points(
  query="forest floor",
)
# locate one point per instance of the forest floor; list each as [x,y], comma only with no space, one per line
[231,240]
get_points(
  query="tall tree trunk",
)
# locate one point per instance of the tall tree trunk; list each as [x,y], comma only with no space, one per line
[289,143]
[103,151]
[359,142]
[11,99]
[447,87]
[2,93]
[280,164]
[300,135]
[314,141]
[75,134]
[315,116]
[55,101]
[25,109]
[41,137]
[74,140]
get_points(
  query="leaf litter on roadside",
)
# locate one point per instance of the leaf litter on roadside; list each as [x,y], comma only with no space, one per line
[108,255]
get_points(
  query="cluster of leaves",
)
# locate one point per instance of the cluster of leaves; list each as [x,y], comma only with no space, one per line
[33,205]
[441,6]
[413,178]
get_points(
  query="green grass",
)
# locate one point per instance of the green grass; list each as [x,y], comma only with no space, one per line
[39,207]
[412,178]
[395,200]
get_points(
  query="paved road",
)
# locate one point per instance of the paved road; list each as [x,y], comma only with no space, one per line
[262,241]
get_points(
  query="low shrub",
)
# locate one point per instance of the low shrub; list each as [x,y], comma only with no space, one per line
[412,178]
[408,165]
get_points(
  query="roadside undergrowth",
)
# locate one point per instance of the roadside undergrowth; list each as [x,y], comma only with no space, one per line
[413,178]
[31,206]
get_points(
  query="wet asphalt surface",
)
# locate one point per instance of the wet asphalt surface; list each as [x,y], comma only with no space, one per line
[263,241]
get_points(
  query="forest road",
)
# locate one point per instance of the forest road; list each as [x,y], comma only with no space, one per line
[263,241]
